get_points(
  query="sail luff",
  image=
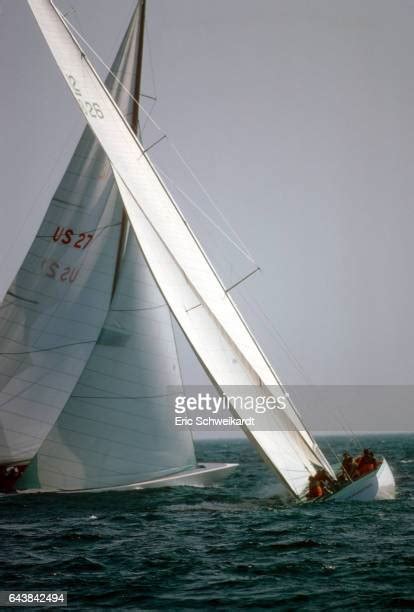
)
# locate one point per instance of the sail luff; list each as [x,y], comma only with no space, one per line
[177,245]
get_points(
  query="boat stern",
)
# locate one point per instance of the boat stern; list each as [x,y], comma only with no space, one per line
[377,485]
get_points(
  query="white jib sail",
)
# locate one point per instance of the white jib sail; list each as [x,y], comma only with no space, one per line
[195,295]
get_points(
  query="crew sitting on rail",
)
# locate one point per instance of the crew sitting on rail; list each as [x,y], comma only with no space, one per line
[367,462]
[316,488]
[347,467]
[325,479]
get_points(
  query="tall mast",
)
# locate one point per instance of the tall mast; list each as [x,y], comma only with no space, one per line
[136,128]
[137,91]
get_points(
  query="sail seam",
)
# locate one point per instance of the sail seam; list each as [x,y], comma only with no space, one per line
[52,348]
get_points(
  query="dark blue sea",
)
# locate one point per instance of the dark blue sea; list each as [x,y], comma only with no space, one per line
[228,548]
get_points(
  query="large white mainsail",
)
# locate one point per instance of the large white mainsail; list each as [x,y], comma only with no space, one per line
[205,312]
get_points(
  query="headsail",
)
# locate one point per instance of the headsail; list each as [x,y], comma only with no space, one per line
[205,312]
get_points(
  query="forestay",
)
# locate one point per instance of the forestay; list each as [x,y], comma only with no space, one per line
[207,315]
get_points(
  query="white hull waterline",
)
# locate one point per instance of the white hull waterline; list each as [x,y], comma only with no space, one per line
[204,475]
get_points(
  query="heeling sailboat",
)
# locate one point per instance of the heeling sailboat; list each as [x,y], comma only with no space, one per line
[196,297]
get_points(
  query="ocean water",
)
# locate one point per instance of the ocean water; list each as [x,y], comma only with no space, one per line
[228,548]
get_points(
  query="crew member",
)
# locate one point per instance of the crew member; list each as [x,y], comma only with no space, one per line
[347,467]
[8,477]
[325,479]
[367,462]
[316,488]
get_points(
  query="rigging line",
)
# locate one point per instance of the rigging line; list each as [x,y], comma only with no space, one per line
[153,98]
[203,213]
[272,330]
[141,95]
[73,12]
[151,110]
[209,197]
[96,229]
[154,144]
[278,336]
[354,437]
[69,12]
[333,451]
[242,279]
[50,348]
[243,250]
[295,362]
[137,309]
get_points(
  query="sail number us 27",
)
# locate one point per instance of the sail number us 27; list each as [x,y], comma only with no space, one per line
[67,237]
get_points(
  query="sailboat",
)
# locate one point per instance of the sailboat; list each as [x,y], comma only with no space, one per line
[86,338]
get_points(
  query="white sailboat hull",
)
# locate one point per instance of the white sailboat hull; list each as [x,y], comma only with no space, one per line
[204,475]
[379,484]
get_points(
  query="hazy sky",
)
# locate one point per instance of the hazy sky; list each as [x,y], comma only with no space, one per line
[298,117]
